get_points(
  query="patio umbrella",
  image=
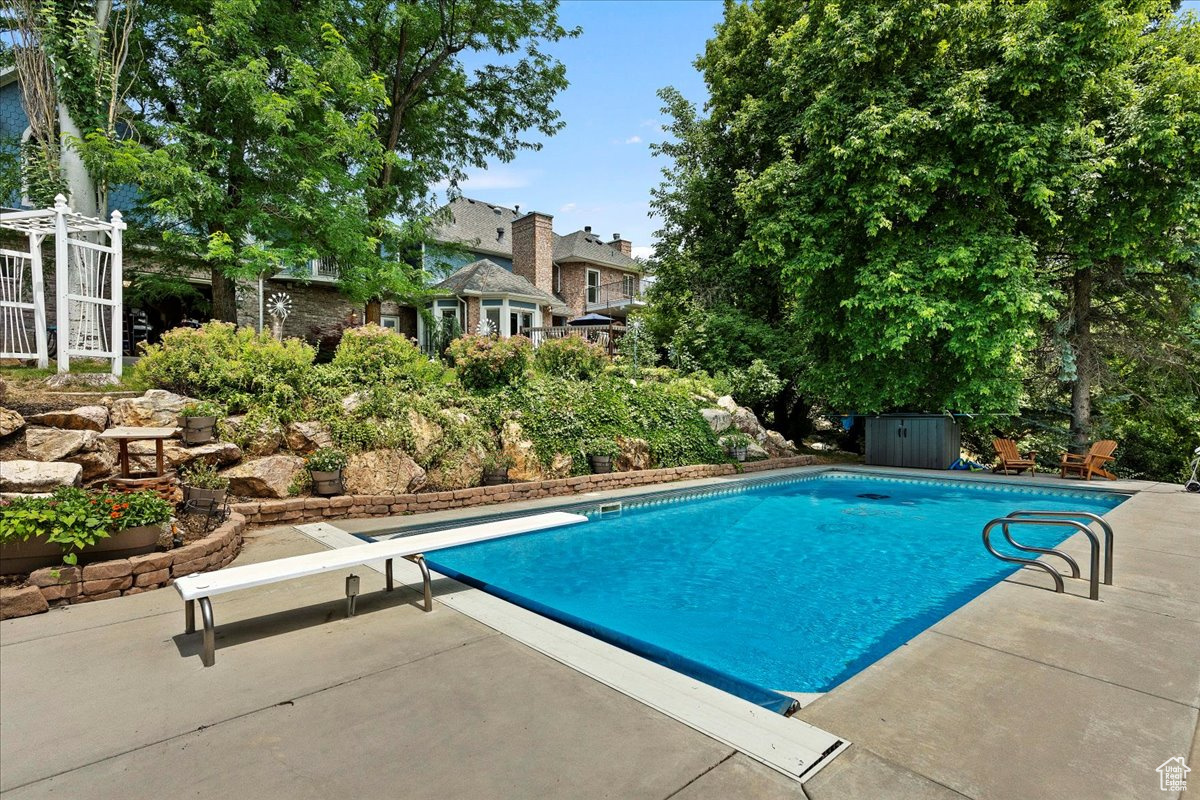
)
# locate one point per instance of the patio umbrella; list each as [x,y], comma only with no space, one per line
[591,319]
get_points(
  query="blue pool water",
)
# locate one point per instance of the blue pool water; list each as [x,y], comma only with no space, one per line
[793,586]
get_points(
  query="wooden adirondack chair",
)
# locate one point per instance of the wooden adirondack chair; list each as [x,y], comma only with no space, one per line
[1090,463]
[1010,459]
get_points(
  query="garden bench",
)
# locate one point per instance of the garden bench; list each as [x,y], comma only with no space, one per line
[202,587]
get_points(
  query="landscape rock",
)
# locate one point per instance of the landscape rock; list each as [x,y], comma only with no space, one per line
[755,452]
[55,444]
[726,402]
[178,456]
[352,401]
[635,454]
[778,446]
[55,576]
[526,466]
[425,432]
[385,471]
[745,421]
[65,380]
[38,476]
[265,477]
[459,469]
[262,440]
[84,418]
[10,422]
[305,437]
[97,463]
[157,408]
[717,418]
[22,602]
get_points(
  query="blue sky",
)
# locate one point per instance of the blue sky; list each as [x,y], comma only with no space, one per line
[598,170]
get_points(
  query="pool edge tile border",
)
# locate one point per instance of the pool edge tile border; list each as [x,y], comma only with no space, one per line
[790,746]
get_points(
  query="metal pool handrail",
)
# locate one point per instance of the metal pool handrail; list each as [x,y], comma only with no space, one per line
[1071,562]
[1094,572]
[1108,533]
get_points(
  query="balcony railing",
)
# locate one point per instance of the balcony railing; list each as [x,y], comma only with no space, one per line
[604,335]
[318,269]
[614,295]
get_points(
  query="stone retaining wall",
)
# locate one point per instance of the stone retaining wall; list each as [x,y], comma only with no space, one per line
[104,579]
[315,509]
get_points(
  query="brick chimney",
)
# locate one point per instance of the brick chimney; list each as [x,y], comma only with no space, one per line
[533,249]
[624,245]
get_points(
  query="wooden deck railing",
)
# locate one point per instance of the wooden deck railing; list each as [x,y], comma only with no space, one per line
[604,335]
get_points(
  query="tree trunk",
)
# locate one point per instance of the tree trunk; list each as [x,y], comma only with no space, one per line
[224,297]
[80,186]
[1081,345]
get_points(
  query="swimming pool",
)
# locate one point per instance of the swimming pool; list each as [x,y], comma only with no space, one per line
[785,585]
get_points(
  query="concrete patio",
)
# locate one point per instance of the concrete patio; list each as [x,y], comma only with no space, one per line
[1019,694]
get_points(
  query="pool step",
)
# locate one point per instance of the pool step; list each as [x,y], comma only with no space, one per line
[1066,519]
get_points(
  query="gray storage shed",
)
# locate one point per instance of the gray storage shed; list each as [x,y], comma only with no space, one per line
[925,441]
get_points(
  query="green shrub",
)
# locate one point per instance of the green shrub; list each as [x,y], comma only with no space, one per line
[570,357]
[203,408]
[756,385]
[203,475]
[222,362]
[484,363]
[373,355]
[327,459]
[75,518]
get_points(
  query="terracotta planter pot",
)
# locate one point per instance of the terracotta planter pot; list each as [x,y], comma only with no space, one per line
[35,553]
[495,477]
[600,464]
[326,484]
[198,430]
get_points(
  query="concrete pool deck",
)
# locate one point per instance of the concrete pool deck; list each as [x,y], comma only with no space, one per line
[1021,693]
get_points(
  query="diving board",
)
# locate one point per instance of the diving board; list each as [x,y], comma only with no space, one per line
[202,587]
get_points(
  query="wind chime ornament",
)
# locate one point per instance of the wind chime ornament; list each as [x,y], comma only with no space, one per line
[279,305]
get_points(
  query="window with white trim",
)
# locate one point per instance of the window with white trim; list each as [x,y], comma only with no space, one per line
[593,286]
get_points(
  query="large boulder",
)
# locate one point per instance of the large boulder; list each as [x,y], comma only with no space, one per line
[755,452]
[457,469]
[305,437]
[726,402]
[426,434]
[26,477]
[385,471]
[55,444]
[777,446]
[258,438]
[745,421]
[10,422]
[265,477]
[717,418]
[352,401]
[177,456]
[635,454]
[157,408]
[526,466]
[84,418]
[97,462]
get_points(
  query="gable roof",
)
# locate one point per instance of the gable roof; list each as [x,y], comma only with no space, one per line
[585,246]
[486,277]
[473,224]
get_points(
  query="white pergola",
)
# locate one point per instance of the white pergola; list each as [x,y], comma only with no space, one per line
[88,287]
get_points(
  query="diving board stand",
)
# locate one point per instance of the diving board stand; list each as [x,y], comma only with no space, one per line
[200,588]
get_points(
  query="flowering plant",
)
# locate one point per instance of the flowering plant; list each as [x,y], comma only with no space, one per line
[75,518]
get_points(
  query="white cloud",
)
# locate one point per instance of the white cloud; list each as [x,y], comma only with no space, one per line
[568,208]
[633,140]
[643,251]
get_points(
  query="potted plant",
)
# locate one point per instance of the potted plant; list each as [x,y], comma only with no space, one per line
[600,453]
[325,468]
[495,469]
[78,526]
[200,422]
[736,445]
[203,486]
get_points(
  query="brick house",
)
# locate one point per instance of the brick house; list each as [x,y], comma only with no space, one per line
[497,262]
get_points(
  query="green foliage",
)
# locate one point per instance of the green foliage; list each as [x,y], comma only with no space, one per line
[202,474]
[484,363]
[202,408]
[228,364]
[371,355]
[75,518]
[755,385]
[570,357]
[326,459]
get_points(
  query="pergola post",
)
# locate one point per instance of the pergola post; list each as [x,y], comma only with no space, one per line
[116,330]
[39,299]
[61,266]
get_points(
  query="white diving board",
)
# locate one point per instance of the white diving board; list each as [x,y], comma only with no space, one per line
[202,587]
